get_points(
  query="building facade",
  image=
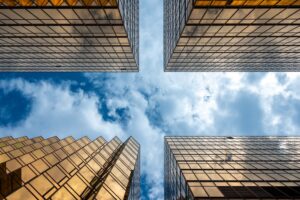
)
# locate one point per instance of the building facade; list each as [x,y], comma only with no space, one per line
[231,35]
[69,35]
[66,168]
[232,168]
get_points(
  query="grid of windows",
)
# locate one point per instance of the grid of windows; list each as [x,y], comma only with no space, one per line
[69,35]
[51,168]
[229,168]
[231,35]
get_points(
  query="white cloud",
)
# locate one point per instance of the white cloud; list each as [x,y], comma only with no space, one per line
[58,111]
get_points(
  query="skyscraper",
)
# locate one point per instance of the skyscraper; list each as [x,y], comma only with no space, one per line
[231,35]
[51,168]
[69,35]
[232,168]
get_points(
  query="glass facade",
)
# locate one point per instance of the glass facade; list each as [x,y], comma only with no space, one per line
[54,168]
[232,168]
[231,35]
[69,35]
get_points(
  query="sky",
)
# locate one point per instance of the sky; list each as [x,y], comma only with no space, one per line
[150,104]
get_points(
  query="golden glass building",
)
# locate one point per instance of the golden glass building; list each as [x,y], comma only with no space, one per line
[68,169]
[69,35]
[231,35]
[232,168]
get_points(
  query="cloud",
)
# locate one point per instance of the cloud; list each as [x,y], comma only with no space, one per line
[287,106]
[255,77]
[239,113]
[56,110]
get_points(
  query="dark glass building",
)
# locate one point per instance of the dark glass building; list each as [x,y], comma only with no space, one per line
[69,35]
[54,168]
[232,168]
[231,35]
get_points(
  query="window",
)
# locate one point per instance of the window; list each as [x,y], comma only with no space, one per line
[41,185]
[56,174]
[77,184]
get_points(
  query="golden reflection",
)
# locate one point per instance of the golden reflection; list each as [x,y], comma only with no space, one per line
[63,175]
[111,183]
[245,2]
[87,2]
[56,174]
[1,143]
[25,2]
[107,2]
[198,192]
[213,192]
[120,176]
[41,184]
[22,193]
[66,165]
[27,174]
[77,184]
[64,194]
[9,2]
[59,2]
[103,194]
[87,173]
[72,2]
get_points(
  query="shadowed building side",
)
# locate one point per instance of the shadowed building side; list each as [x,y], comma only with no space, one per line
[69,35]
[231,35]
[232,168]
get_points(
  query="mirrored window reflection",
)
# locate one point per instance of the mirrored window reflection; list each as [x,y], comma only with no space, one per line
[22,193]
[231,35]
[77,184]
[56,174]
[115,187]
[73,170]
[105,194]
[63,193]
[41,185]
[257,167]
[74,34]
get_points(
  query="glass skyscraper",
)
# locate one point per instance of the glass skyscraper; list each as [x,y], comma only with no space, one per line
[54,168]
[69,35]
[231,35]
[232,168]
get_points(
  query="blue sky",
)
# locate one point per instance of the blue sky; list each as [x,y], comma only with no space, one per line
[150,104]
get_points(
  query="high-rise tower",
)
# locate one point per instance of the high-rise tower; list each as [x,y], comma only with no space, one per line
[232,168]
[231,35]
[69,35]
[66,168]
